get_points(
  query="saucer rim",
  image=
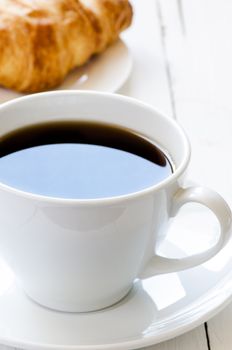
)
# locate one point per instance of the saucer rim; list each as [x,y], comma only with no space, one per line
[215,300]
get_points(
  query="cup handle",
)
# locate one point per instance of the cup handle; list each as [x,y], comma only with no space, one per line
[213,201]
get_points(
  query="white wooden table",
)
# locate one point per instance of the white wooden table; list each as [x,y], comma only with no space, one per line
[182,53]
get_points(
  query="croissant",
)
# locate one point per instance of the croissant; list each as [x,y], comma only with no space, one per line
[42,40]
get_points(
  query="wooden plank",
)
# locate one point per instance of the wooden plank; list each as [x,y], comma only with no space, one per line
[220,330]
[201,72]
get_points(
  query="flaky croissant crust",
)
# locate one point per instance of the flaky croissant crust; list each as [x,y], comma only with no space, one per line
[42,40]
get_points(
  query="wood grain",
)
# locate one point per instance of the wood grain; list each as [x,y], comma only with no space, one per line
[220,330]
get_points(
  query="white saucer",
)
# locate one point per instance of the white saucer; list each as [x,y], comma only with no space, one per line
[106,72]
[155,310]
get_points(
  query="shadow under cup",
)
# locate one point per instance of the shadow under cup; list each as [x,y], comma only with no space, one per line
[83,255]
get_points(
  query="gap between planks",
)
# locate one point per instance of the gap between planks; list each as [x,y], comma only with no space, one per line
[166,59]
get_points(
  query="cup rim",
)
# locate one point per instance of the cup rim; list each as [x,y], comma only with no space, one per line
[105,200]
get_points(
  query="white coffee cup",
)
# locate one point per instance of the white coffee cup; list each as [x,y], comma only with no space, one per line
[82,255]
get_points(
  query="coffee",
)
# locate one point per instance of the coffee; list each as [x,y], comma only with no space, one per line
[79,159]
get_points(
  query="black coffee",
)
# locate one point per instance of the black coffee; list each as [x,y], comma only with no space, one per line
[79,159]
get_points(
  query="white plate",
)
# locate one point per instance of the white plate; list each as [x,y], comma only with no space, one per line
[106,72]
[155,310]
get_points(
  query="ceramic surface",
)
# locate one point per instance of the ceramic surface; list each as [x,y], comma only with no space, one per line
[156,309]
[96,75]
[83,255]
